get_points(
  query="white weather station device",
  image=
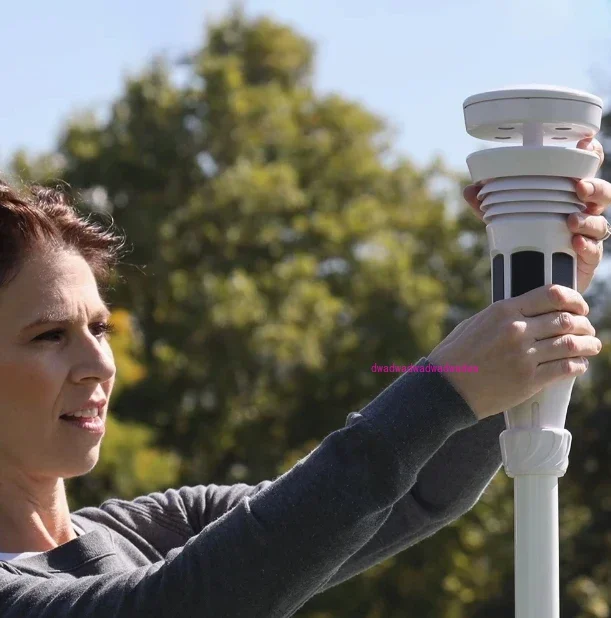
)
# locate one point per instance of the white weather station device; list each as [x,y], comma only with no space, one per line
[528,192]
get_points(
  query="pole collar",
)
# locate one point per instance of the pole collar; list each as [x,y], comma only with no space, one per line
[536,450]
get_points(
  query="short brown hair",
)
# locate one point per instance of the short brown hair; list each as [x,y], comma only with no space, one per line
[34,216]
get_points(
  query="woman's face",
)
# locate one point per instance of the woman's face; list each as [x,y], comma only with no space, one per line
[50,369]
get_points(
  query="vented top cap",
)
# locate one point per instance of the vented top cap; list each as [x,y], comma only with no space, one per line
[533,115]
[537,91]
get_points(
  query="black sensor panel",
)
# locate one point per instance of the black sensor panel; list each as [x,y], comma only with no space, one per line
[527,271]
[562,269]
[498,277]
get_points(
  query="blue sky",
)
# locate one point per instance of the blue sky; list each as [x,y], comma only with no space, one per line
[413,61]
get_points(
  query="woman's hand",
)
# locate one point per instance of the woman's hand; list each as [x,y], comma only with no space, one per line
[520,345]
[588,228]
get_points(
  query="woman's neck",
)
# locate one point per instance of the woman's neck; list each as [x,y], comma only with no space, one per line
[34,521]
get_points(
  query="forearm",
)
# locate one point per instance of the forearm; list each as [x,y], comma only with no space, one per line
[448,485]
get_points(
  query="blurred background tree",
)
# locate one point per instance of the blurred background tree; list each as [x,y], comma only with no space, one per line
[280,248]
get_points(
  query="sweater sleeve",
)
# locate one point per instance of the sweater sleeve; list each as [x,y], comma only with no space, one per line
[448,486]
[270,553]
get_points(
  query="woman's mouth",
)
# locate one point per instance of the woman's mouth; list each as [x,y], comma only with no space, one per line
[93,424]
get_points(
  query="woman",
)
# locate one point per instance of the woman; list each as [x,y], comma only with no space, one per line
[414,459]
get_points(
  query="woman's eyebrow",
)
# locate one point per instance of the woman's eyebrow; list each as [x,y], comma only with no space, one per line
[54,317]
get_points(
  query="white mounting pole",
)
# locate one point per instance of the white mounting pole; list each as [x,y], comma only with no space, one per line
[528,194]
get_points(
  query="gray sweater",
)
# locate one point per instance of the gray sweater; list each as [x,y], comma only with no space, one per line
[410,462]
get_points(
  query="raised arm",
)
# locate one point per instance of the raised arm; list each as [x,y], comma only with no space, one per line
[448,485]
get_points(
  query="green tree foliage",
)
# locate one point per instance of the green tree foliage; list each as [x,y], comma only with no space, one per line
[280,248]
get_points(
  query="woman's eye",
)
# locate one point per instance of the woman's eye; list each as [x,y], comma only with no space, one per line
[47,335]
[103,330]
